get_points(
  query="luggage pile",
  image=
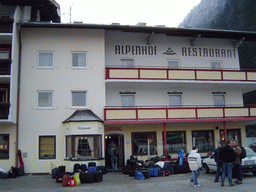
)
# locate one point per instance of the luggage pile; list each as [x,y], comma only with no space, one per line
[81,174]
[12,173]
[154,167]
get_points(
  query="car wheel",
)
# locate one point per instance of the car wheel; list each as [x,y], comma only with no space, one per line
[207,170]
[254,173]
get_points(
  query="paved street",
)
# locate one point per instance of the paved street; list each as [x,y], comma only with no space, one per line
[119,182]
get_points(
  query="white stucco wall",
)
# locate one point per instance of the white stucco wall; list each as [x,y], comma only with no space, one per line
[61,79]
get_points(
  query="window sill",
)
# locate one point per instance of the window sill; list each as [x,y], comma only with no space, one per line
[83,159]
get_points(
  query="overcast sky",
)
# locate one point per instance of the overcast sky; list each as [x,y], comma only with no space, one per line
[160,12]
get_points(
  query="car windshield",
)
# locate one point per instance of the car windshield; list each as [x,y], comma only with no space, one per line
[250,153]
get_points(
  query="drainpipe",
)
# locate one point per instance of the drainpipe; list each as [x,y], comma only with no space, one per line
[165,143]
[18,98]
[225,132]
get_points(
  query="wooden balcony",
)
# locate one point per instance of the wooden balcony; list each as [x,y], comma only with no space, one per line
[180,74]
[118,115]
[4,110]
[5,66]
[6,25]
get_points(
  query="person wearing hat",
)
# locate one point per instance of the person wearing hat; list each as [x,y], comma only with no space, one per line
[218,161]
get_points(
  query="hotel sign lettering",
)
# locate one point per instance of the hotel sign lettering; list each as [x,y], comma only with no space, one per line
[184,51]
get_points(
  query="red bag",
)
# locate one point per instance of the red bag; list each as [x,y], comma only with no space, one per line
[65,180]
[71,182]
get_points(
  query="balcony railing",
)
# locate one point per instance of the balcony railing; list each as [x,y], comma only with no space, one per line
[6,25]
[180,74]
[5,66]
[177,114]
[4,110]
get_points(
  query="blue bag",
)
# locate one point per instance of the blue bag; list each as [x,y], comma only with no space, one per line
[139,175]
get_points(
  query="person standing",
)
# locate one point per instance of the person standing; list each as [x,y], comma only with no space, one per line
[194,161]
[113,152]
[218,161]
[237,163]
[227,155]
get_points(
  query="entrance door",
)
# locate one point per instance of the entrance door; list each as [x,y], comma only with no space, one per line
[232,135]
[119,141]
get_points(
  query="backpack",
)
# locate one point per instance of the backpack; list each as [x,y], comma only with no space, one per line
[243,154]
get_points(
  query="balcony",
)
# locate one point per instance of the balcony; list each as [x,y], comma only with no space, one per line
[4,110]
[6,25]
[5,66]
[165,114]
[180,74]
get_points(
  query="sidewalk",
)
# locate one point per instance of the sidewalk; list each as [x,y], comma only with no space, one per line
[118,182]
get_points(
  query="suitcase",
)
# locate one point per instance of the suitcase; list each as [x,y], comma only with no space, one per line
[91,164]
[92,169]
[146,173]
[98,176]
[86,177]
[83,167]
[62,168]
[132,172]
[71,182]
[102,168]
[125,170]
[77,179]
[77,168]
[59,177]
[55,172]
[65,180]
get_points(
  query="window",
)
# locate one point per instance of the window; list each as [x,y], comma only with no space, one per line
[140,143]
[176,140]
[78,99]
[219,100]
[4,146]
[175,100]
[45,99]
[79,60]
[47,147]
[127,100]
[216,65]
[204,140]
[4,54]
[3,95]
[83,146]
[127,63]
[232,135]
[173,64]
[45,59]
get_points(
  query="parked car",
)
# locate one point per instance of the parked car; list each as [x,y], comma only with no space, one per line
[248,163]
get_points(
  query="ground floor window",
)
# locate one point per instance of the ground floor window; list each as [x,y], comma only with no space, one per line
[140,143]
[204,140]
[4,146]
[84,146]
[47,147]
[232,135]
[176,140]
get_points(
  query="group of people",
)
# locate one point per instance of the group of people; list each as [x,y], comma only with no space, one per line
[225,158]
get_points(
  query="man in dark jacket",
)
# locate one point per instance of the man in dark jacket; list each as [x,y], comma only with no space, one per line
[227,155]
[237,163]
[218,161]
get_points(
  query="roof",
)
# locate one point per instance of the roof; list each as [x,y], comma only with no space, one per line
[49,9]
[82,116]
[182,32]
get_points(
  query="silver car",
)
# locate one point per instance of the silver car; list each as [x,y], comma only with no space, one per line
[248,163]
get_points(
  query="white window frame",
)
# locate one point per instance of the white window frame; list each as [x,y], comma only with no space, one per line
[173,67]
[215,67]
[78,67]
[79,106]
[45,66]
[124,62]
[45,107]
[176,95]
[125,95]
